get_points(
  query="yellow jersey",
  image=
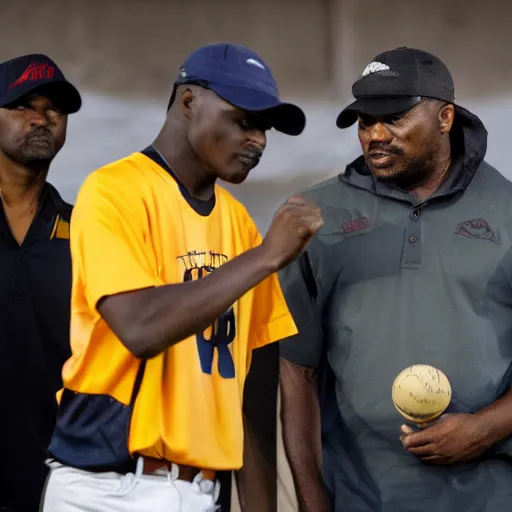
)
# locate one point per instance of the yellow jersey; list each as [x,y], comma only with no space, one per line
[135,226]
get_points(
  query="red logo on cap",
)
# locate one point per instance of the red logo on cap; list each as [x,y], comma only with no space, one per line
[35,71]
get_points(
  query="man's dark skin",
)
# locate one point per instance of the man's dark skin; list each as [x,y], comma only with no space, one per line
[32,132]
[411,150]
[205,138]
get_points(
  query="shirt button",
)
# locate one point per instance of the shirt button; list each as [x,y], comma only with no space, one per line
[415,214]
[413,239]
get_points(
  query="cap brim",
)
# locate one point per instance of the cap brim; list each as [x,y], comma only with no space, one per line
[375,107]
[284,117]
[62,93]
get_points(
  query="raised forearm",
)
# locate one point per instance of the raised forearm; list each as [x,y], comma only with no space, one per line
[151,320]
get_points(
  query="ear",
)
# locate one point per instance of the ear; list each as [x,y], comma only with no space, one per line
[446,117]
[188,100]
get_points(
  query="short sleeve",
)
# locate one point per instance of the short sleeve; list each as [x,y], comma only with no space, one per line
[301,292]
[107,240]
[271,320]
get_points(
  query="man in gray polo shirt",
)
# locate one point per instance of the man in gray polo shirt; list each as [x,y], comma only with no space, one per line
[413,266]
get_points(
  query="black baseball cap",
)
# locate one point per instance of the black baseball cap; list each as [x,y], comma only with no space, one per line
[241,77]
[37,72]
[395,81]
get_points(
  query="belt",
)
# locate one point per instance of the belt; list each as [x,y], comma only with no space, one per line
[187,473]
[151,465]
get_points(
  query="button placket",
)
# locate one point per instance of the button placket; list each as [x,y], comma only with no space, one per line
[412,248]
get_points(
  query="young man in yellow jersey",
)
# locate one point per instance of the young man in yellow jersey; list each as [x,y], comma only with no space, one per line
[173,288]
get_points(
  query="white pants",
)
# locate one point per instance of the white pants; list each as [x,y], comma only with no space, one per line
[73,490]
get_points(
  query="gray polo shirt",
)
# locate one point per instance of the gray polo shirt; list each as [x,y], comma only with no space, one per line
[390,282]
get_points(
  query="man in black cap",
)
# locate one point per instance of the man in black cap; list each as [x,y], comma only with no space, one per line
[35,271]
[413,266]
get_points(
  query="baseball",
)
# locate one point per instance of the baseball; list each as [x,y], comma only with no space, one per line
[421,393]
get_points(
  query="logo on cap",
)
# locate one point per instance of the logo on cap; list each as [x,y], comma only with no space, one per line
[375,67]
[254,62]
[35,71]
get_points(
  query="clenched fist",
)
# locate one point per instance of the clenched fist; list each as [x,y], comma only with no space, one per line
[292,228]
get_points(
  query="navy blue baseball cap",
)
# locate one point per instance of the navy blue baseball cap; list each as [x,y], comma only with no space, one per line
[37,73]
[241,77]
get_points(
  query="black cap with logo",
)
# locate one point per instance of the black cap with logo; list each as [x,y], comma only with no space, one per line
[36,72]
[395,81]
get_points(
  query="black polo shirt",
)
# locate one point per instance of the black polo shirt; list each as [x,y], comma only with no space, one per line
[35,291]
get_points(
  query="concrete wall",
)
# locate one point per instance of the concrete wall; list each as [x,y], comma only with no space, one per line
[472,37]
[133,48]
[124,55]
